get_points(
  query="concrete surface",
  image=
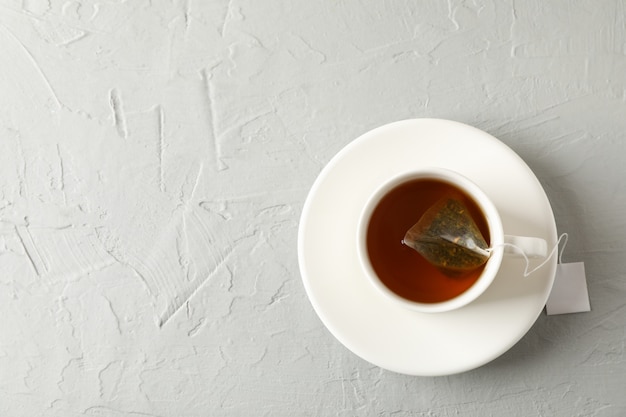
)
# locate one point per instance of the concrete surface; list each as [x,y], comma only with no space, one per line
[155,156]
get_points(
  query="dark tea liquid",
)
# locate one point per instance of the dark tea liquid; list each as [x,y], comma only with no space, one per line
[402,269]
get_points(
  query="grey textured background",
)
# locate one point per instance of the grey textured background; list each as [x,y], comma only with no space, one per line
[155,157]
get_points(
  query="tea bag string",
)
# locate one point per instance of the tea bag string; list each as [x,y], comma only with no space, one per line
[563,237]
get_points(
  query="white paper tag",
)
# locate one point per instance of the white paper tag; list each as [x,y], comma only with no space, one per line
[569,293]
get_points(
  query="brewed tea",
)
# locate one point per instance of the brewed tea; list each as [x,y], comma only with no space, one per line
[402,269]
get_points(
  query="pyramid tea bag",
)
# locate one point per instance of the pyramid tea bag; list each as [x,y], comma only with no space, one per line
[447,236]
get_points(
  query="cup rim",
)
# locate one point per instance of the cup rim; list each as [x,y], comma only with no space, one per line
[494,222]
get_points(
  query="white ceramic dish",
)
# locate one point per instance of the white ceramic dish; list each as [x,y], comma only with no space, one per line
[370,325]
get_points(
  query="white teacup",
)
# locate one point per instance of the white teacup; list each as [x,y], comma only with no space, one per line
[530,246]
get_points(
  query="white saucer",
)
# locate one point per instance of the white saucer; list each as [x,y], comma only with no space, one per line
[368,324]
